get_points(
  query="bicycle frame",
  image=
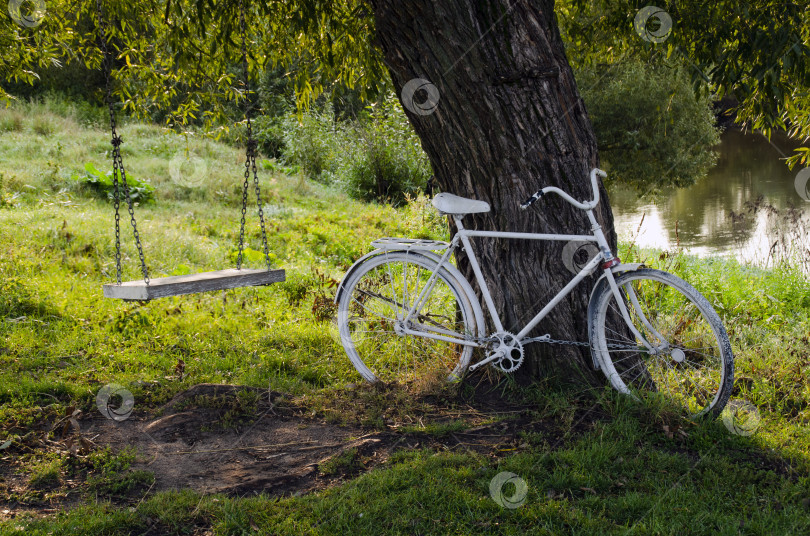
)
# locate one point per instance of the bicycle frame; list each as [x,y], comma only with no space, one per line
[464,235]
[598,237]
[605,258]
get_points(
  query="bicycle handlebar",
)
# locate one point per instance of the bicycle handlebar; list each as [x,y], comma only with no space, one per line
[581,205]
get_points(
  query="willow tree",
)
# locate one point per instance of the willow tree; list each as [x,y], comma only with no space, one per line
[499,113]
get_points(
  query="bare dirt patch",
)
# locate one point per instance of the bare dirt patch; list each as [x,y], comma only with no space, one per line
[241,441]
[197,441]
[282,449]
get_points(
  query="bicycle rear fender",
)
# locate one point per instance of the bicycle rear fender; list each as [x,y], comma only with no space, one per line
[452,270]
[601,286]
[351,270]
[376,252]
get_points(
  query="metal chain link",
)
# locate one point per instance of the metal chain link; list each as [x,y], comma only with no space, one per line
[265,245]
[574,343]
[250,156]
[529,340]
[568,343]
[546,340]
[118,162]
[244,211]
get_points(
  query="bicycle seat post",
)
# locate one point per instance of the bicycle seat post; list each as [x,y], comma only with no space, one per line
[465,242]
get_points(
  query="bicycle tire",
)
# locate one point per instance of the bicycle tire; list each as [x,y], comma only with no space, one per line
[696,370]
[371,320]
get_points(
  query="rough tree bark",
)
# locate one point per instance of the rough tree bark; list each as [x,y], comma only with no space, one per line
[509,120]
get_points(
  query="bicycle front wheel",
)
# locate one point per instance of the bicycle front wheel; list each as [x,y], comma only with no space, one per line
[384,341]
[689,360]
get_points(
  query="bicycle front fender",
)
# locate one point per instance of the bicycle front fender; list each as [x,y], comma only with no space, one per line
[602,285]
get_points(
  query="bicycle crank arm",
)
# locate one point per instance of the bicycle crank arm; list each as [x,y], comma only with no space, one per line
[492,357]
[438,337]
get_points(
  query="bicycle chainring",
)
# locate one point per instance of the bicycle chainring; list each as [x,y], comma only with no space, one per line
[511,352]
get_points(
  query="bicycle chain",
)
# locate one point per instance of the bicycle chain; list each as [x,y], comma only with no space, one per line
[578,343]
[545,340]
[557,341]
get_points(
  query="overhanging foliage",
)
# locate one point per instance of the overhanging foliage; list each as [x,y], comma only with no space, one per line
[180,53]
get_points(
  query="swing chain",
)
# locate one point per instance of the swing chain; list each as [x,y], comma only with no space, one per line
[118,162]
[250,156]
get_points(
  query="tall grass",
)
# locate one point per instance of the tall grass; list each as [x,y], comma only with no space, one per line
[766,313]
[181,168]
[787,232]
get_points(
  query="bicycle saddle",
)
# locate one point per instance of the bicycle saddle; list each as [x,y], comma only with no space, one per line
[453,204]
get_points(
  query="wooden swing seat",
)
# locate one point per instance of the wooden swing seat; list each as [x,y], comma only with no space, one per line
[190,284]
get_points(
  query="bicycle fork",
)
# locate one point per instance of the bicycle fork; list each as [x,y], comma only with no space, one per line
[631,295]
[610,262]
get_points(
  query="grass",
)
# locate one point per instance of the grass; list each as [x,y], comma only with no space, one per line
[634,470]
[438,429]
[347,461]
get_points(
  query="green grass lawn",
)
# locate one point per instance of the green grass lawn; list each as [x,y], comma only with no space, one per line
[632,470]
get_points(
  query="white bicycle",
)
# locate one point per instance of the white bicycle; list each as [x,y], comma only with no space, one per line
[405,313]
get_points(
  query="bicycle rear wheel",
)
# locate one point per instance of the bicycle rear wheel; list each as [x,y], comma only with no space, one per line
[372,310]
[690,364]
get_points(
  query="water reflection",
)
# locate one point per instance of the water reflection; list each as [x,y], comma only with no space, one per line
[705,218]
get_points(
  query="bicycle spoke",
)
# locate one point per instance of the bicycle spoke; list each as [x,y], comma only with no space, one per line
[381,298]
[688,365]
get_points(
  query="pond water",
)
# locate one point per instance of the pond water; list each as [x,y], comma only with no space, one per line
[715,216]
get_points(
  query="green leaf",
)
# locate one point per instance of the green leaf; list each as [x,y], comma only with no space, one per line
[91,169]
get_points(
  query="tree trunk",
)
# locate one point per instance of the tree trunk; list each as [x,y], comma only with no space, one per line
[508,121]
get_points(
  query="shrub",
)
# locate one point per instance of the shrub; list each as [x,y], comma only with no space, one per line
[314,141]
[43,125]
[89,114]
[375,158]
[276,92]
[102,184]
[651,129]
[386,162]
[269,133]
[71,79]
[11,122]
